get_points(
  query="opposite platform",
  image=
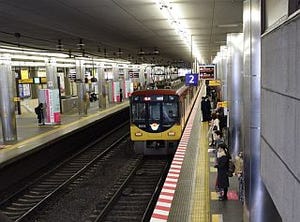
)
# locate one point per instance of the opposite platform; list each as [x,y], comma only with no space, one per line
[31,136]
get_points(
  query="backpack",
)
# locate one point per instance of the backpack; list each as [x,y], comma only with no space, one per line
[37,110]
[231,168]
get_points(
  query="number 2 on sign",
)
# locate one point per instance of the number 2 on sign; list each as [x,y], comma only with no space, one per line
[191,81]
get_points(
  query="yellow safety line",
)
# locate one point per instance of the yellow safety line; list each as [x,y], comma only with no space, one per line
[201,203]
[45,134]
[217,218]
[214,196]
[212,169]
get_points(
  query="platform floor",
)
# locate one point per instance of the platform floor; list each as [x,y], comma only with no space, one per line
[189,192]
[30,135]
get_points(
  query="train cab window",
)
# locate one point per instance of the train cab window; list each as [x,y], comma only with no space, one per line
[154,111]
[170,112]
[138,111]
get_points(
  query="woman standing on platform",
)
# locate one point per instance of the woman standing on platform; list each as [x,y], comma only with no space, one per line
[222,168]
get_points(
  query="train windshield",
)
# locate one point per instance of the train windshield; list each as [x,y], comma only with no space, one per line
[170,112]
[154,111]
[138,111]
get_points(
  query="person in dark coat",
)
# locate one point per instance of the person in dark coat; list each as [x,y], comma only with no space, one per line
[206,109]
[203,108]
[222,169]
[121,95]
[39,110]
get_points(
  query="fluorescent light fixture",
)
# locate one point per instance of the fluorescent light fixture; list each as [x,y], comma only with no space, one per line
[171,14]
[234,25]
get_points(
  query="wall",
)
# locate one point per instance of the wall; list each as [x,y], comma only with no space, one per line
[280,133]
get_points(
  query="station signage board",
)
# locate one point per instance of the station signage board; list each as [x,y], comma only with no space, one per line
[214,82]
[191,79]
[207,71]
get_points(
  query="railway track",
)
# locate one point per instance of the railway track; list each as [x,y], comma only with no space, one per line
[133,197]
[24,202]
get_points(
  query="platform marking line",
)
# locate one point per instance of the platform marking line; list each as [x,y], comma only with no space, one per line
[201,202]
[161,215]
[212,169]
[214,196]
[216,218]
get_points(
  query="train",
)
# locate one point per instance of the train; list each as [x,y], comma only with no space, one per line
[158,118]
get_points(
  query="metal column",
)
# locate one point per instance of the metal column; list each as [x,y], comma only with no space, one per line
[81,91]
[51,72]
[7,106]
[235,46]
[258,205]
[102,89]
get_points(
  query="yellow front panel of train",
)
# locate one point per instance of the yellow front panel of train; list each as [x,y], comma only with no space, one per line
[136,134]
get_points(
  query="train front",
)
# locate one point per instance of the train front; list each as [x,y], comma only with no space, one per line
[155,121]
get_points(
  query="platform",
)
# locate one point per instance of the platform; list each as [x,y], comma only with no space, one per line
[30,135]
[189,193]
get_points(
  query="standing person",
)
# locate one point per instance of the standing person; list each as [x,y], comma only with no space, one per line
[218,139]
[203,109]
[239,168]
[206,109]
[222,169]
[39,110]
[121,95]
[214,125]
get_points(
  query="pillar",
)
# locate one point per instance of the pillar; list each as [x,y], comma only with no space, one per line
[81,90]
[258,206]
[235,47]
[102,89]
[51,72]
[7,106]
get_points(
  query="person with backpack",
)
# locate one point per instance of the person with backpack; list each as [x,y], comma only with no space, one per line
[39,111]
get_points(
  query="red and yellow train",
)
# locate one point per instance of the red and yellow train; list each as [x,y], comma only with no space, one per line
[158,118]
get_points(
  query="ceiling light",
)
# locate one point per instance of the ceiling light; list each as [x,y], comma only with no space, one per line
[228,25]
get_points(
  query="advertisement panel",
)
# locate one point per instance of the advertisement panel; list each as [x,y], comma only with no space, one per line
[50,99]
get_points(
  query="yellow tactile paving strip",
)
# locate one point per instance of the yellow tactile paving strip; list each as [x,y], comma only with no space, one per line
[201,202]
[217,218]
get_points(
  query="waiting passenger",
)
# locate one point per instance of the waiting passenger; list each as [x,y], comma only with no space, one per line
[39,111]
[222,169]
[214,125]
[217,138]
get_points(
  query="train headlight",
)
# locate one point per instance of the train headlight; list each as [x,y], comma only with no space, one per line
[138,134]
[171,133]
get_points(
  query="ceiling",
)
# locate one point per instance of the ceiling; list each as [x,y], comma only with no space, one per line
[120,28]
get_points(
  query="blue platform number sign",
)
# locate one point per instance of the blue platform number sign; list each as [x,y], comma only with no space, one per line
[191,79]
